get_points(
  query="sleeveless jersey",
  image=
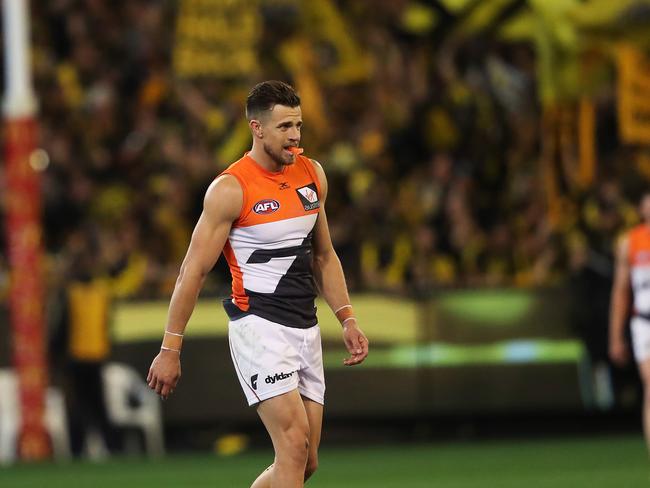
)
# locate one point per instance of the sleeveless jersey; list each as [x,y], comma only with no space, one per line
[639,259]
[269,249]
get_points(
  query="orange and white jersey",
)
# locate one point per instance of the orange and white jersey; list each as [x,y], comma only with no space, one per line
[269,249]
[639,259]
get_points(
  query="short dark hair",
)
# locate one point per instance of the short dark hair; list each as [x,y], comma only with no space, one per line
[264,96]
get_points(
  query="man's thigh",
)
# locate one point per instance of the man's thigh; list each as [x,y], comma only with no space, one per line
[283,413]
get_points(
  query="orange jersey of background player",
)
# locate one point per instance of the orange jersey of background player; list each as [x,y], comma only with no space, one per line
[639,261]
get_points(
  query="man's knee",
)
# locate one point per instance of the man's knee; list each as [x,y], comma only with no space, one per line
[295,444]
[312,466]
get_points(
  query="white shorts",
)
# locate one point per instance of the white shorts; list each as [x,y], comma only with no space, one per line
[271,359]
[640,338]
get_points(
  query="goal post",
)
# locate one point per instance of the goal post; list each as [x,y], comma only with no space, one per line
[24,233]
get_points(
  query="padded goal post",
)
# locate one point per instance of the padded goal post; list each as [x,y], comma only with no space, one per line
[23,229]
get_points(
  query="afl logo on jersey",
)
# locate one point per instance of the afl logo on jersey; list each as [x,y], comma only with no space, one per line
[265,207]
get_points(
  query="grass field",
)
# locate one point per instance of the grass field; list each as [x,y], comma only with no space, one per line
[612,462]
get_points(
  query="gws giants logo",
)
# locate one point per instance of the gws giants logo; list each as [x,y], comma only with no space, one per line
[309,197]
[264,207]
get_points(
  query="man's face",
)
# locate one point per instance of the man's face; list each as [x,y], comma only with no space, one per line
[644,208]
[281,130]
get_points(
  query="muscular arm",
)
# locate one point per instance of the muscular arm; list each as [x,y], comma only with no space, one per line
[330,279]
[221,206]
[620,303]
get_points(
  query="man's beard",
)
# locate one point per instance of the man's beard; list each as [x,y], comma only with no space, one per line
[277,158]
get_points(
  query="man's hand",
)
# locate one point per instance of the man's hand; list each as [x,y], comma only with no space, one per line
[356,343]
[164,373]
[618,352]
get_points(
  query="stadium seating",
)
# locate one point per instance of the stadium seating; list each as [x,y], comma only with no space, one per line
[131,404]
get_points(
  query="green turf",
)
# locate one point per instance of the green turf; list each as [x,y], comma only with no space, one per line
[618,462]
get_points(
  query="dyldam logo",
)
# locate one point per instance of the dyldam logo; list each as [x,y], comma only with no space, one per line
[270,380]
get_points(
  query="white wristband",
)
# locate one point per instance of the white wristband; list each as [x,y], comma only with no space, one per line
[349,318]
[341,308]
[173,333]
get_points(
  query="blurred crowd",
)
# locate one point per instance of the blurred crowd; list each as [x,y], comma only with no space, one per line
[433,147]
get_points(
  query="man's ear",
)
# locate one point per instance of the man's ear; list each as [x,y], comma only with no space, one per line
[256,128]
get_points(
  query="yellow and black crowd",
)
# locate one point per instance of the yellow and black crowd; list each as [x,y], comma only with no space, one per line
[431,132]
